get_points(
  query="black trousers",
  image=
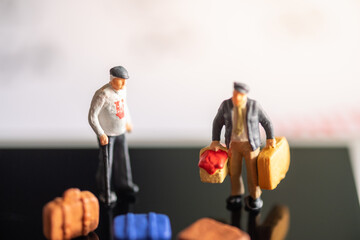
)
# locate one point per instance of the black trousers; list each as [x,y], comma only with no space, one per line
[116,154]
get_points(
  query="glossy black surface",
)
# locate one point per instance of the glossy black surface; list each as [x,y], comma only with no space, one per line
[319,190]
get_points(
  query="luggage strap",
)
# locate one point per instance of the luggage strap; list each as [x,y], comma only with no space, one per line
[66,209]
[152,226]
[86,202]
[70,196]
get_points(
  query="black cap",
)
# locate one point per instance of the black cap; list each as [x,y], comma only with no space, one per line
[119,72]
[241,87]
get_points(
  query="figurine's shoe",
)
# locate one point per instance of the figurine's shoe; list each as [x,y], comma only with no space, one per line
[233,203]
[130,189]
[253,204]
[112,198]
[134,188]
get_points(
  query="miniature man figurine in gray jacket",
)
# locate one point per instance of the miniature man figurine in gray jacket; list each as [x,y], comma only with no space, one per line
[241,117]
[110,119]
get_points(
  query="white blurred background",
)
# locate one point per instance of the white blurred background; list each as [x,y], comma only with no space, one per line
[300,58]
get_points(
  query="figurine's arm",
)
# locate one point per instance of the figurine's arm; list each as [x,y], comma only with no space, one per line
[218,123]
[96,105]
[267,125]
[128,118]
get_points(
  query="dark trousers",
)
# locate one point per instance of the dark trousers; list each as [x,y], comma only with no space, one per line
[118,161]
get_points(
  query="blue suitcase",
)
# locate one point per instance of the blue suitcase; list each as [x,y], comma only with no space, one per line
[142,226]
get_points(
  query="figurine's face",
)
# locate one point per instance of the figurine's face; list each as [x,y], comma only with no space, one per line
[118,83]
[239,98]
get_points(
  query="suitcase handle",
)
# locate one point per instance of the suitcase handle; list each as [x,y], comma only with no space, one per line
[72,194]
[208,148]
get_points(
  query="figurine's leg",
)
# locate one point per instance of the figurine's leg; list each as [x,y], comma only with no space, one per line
[251,169]
[111,154]
[122,168]
[237,185]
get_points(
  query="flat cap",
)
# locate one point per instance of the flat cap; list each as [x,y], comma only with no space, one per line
[119,72]
[241,87]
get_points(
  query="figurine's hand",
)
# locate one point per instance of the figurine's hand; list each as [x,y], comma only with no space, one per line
[104,139]
[215,145]
[128,127]
[270,143]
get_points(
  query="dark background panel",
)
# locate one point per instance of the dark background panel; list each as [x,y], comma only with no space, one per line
[319,189]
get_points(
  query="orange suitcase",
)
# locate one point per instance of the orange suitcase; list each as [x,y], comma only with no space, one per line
[273,164]
[75,214]
[210,229]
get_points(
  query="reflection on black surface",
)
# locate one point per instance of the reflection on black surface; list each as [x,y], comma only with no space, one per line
[91,236]
[124,204]
[236,218]
[253,224]
[105,224]
[183,199]
[275,226]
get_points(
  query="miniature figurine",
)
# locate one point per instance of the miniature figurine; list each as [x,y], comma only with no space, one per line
[241,117]
[150,226]
[110,119]
[75,214]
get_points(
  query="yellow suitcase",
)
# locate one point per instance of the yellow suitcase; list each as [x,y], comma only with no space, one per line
[273,164]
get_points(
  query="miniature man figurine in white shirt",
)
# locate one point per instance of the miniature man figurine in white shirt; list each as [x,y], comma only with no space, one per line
[110,119]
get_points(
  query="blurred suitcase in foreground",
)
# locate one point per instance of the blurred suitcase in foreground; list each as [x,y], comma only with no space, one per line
[75,214]
[210,229]
[213,165]
[273,164]
[142,226]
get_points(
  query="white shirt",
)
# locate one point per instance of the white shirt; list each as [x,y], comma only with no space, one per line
[109,112]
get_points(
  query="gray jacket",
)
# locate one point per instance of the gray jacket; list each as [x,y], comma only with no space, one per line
[254,115]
